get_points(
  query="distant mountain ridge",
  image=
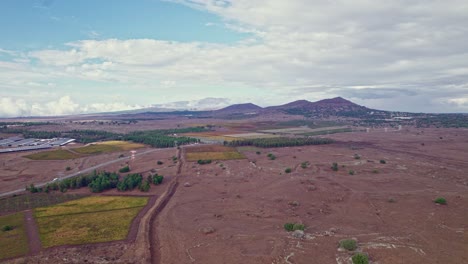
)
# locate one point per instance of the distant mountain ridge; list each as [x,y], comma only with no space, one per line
[326,107]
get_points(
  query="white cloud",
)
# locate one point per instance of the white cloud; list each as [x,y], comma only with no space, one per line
[10,107]
[328,47]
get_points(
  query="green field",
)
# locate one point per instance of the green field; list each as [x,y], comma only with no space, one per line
[88,220]
[59,154]
[31,201]
[328,131]
[14,242]
[107,147]
[92,149]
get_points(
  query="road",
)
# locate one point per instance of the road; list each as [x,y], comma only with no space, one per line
[82,171]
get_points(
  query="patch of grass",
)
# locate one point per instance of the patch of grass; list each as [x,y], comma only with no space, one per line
[88,220]
[360,258]
[348,244]
[351,172]
[440,200]
[59,154]
[304,164]
[214,156]
[13,242]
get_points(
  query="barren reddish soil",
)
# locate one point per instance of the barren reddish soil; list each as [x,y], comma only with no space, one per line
[236,214]
[248,203]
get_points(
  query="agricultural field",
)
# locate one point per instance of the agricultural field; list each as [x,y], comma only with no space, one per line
[31,201]
[13,242]
[91,149]
[304,130]
[59,154]
[107,147]
[88,220]
[250,136]
[212,152]
[211,136]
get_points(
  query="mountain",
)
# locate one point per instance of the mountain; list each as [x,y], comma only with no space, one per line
[337,106]
[240,108]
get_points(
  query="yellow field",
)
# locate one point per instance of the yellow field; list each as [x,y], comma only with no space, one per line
[92,149]
[91,204]
[88,220]
[14,242]
[108,146]
[59,154]
[194,156]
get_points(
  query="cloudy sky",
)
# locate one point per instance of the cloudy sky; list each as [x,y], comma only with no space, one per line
[63,57]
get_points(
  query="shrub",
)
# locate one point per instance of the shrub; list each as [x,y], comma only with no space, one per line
[7,228]
[351,172]
[360,258]
[68,168]
[288,170]
[298,227]
[382,161]
[440,200]
[289,227]
[144,186]
[160,162]
[304,164]
[124,169]
[201,162]
[391,200]
[258,152]
[356,156]
[348,244]
[271,156]
[334,166]
[121,156]
[375,171]
[293,227]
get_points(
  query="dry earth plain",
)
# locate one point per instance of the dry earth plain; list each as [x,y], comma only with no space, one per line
[233,211]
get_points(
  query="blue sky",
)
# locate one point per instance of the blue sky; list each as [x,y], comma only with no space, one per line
[67,57]
[38,24]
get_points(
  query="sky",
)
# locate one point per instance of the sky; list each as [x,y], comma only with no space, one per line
[68,56]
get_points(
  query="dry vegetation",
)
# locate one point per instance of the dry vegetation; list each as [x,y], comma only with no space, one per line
[212,152]
[88,220]
[13,242]
[92,149]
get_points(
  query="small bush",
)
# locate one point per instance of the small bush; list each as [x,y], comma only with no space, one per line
[288,170]
[289,227]
[201,162]
[293,227]
[124,169]
[7,228]
[348,244]
[351,172]
[160,162]
[68,168]
[360,258]
[356,156]
[304,164]
[440,200]
[382,161]
[334,166]
[271,156]
[375,171]
[391,200]
[258,152]
[298,227]
[121,156]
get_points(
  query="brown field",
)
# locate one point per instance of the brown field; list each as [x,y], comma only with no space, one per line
[212,152]
[234,212]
